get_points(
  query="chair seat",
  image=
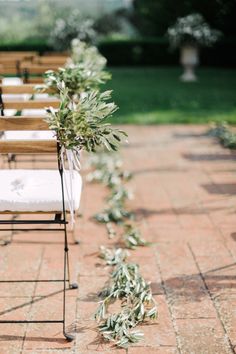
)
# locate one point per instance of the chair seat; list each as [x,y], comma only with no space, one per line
[29,135]
[37,190]
[25,112]
[12,81]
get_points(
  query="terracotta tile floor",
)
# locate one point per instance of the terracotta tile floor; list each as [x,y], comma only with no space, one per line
[185,199]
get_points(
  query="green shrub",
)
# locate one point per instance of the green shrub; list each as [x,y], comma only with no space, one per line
[144,51]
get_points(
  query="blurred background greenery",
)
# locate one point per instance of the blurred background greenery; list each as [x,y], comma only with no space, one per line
[155,95]
[128,32]
[131,34]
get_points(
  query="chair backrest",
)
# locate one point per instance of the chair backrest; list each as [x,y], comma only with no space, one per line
[10,61]
[28,79]
[9,70]
[19,55]
[18,104]
[26,146]
[38,69]
[58,60]
[30,72]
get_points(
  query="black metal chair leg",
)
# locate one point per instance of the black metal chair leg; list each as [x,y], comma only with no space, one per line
[75,239]
[71,285]
[8,241]
[69,337]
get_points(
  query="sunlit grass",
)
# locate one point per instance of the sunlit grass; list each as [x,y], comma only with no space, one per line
[156,95]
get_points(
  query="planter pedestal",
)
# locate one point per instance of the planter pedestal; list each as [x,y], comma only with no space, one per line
[189,58]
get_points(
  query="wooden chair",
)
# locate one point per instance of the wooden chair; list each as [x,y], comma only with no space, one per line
[26,107]
[37,192]
[27,131]
[34,74]
[29,70]
[58,60]
[31,79]
[10,61]
[9,66]
[21,104]
[18,54]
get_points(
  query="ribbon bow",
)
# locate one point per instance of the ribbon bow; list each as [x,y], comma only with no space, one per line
[73,158]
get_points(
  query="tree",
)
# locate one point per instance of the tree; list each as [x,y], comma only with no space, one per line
[153,17]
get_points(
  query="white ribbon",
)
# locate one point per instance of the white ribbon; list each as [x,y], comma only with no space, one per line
[73,158]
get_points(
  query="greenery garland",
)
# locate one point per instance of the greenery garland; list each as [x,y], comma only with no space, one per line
[126,283]
[108,171]
[222,132]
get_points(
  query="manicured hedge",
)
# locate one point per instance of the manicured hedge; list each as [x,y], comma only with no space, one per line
[223,54]
[157,52]
[146,51]
[138,52]
[39,45]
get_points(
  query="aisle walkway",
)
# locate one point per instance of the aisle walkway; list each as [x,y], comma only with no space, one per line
[185,200]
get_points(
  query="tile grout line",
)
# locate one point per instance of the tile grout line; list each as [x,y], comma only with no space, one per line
[212,299]
[169,306]
[213,222]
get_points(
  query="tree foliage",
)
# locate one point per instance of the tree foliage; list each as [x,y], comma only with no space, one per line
[154,17]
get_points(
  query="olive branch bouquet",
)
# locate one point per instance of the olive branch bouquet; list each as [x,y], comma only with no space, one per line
[83,125]
[83,72]
[82,53]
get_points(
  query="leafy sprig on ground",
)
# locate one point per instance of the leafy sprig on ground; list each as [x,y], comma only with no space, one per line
[126,283]
[138,304]
[132,237]
[108,170]
[113,256]
[224,134]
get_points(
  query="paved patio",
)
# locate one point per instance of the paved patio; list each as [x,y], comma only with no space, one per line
[185,199]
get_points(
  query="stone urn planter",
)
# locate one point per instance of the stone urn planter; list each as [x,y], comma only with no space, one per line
[189,58]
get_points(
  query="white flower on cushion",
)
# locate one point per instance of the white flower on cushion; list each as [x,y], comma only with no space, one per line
[17,186]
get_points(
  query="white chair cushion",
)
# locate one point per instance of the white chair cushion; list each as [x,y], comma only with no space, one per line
[28,135]
[12,81]
[33,112]
[37,190]
[26,112]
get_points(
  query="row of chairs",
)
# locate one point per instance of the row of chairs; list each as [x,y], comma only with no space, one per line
[30,66]
[35,199]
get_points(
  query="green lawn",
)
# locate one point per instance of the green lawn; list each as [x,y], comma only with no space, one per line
[156,95]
